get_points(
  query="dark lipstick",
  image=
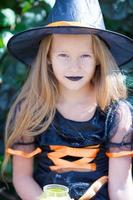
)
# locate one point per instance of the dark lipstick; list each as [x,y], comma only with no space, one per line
[74,78]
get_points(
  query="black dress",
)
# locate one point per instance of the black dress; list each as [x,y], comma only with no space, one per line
[74,153]
[65,132]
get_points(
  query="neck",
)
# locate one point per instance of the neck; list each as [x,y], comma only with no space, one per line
[81,96]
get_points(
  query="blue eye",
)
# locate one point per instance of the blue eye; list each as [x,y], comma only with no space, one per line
[63,55]
[85,56]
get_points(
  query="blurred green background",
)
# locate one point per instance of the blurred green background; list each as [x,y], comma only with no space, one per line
[18,15]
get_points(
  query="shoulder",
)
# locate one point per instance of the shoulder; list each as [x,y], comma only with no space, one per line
[121,109]
[121,126]
[124,113]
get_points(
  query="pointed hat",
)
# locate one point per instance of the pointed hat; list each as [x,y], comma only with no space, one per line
[71,17]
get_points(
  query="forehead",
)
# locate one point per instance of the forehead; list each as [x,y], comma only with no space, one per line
[69,41]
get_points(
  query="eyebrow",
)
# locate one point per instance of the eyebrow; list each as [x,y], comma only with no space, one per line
[69,52]
[62,51]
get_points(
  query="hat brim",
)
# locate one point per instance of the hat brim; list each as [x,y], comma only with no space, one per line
[24,45]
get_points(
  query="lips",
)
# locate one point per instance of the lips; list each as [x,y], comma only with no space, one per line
[74,78]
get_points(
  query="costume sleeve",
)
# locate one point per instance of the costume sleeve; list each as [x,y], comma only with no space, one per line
[24,147]
[120,130]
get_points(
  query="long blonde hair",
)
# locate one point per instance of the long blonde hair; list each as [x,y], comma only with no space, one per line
[34,108]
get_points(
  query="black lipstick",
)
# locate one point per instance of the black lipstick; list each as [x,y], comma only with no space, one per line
[74,78]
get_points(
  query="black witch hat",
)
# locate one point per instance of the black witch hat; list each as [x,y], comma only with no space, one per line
[71,17]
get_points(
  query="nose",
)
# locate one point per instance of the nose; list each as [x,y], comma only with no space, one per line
[74,65]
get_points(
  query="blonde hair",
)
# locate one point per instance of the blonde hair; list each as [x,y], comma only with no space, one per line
[108,79]
[34,108]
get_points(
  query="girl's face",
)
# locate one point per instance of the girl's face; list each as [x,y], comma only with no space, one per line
[72,60]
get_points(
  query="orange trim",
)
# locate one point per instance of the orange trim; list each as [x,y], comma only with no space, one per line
[119,154]
[82,164]
[63,165]
[93,189]
[65,23]
[56,147]
[22,153]
[83,168]
[61,151]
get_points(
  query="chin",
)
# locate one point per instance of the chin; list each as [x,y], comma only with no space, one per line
[73,88]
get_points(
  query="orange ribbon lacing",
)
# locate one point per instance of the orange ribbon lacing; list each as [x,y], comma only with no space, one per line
[119,154]
[93,189]
[22,153]
[85,155]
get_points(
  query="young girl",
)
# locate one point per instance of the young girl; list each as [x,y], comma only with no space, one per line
[72,115]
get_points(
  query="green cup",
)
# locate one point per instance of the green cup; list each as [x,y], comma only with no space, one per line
[55,192]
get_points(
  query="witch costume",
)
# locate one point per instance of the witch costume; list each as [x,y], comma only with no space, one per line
[72,153]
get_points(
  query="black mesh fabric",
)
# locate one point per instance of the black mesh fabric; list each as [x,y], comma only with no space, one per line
[119,127]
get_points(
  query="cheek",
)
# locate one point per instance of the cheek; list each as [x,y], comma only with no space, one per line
[57,69]
[90,68]
[58,65]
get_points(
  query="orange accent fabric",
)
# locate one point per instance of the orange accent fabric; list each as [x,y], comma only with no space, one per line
[77,152]
[82,164]
[54,147]
[93,189]
[72,167]
[119,154]
[65,23]
[22,153]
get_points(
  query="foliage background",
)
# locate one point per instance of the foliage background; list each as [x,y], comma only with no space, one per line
[18,15]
